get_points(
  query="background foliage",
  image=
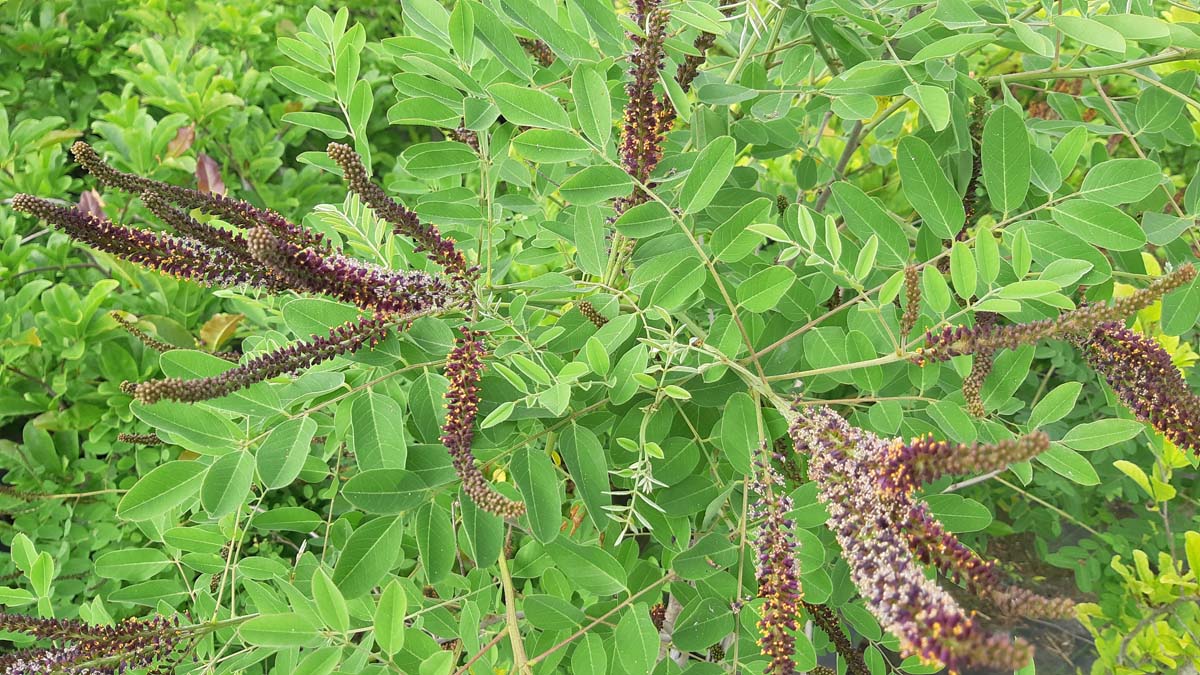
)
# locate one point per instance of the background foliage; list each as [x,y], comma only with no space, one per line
[824,147]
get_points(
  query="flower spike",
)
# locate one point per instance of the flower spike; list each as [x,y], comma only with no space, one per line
[778,572]
[463,368]
[962,340]
[1143,377]
[237,212]
[344,339]
[405,222]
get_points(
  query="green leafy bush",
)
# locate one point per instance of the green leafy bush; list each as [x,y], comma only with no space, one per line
[662,336]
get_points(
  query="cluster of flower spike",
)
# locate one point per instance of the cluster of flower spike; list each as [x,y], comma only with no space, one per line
[84,649]
[1139,370]
[269,252]
[778,572]
[886,536]
[1143,377]
[463,369]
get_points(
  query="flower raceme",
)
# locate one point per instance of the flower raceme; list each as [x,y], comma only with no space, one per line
[1146,381]
[463,369]
[83,649]
[887,537]
[959,340]
[266,251]
[778,571]
[1138,369]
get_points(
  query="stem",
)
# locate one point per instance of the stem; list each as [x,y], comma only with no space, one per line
[520,661]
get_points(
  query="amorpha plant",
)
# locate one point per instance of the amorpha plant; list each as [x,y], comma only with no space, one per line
[670,345]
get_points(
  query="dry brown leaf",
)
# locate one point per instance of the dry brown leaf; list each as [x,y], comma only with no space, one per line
[208,175]
[92,204]
[219,330]
[182,142]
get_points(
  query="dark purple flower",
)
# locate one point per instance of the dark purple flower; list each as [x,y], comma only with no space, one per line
[180,257]
[463,368]
[959,340]
[912,295]
[642,134]
[405,222]
[589,312]
[344,339]
[237,212]
[778,572]
[844,461]
[1143,377]
[368,286]
[827,621]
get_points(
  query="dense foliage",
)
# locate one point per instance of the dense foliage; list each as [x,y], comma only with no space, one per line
[516,336]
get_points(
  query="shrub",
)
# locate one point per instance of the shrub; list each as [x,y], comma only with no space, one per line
[668,338]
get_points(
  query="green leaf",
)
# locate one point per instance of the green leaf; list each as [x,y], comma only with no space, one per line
[1121,181]
[644,220]
[550,146]
[638,640]
[431,161]
[1181,309]
[1090,32]
[1007,163]
[326,124]
[303,83]
[928,189]
[591,654]
[708,174]
[227,483]
[499,39]
[385,491]
[281,456]
[1069,464]
[1055,405]
[701,624]
[131,564]
[593,104]
[435,541]
[933,101]
[733,240]
[162,489]
[587,464]
[864,217]
[331,605]
[1099,224]
[739,432]
[389,618]
[528,107]
[596,184]
[1101,434]
[765,289]
[549,612]
[368,556]
[536,478]
[962,270]
[951,46]
[192,426]
[292,629]
[678,284]
[377,432]
[959,514]
[592,569]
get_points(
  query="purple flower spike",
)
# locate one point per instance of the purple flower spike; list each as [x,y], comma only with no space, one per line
[365,285]
[344,339]
[463,368]
[778,572]
[1143,377]
[237,212]
[843,462]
